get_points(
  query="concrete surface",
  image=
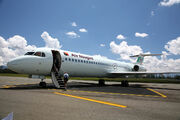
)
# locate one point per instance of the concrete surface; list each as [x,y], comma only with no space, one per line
[28,101]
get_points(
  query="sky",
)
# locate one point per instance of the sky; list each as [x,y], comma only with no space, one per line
[115,29]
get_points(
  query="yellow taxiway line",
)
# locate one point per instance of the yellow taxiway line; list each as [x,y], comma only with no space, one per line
[92,100]
[164,96]
[109,93]
[11,86]
[6,86]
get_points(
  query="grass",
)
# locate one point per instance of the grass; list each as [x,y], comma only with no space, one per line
[140,80]
[13,75]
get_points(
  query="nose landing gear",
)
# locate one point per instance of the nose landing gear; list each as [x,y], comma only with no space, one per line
[42,84]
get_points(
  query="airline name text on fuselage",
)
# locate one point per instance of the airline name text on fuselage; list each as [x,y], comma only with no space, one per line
[82,56]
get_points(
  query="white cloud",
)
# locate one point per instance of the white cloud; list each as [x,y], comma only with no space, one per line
[154,64]
[17,45]
[169,2]
[17,41]
[50,42]
[1,61]
[152,13]
[164,55]
[74,24]
[173,46]
[72,34]
[102,45]
[124,50]
[3,42]
[151,63]
[100,57]
[13,47]
[120,37]
[82,30]
[141,34]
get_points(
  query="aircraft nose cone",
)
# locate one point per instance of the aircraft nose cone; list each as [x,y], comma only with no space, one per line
[15,64]
[12,64]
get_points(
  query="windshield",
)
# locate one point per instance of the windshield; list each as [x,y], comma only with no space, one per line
[37,54]
[29,53]
[41,54]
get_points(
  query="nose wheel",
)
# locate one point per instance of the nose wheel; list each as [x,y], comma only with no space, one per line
[42,84]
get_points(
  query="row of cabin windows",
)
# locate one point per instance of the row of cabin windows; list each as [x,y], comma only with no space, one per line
[84,61]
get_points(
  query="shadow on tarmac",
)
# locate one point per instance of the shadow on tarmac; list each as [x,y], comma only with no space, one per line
[83,86]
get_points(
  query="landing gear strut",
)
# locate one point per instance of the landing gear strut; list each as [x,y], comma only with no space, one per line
[42,84]
[124,83]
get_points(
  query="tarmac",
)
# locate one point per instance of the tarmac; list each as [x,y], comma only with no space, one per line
[86,100]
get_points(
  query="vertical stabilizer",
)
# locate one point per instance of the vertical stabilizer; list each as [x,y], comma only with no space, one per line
[140,60]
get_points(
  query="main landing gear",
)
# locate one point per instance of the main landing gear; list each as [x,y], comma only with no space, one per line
[101,82]
[42,84]
[124,83]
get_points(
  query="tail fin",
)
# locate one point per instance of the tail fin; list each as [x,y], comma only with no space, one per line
[140,60]
[140,57]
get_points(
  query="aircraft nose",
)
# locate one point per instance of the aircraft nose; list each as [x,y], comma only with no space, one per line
[14,64]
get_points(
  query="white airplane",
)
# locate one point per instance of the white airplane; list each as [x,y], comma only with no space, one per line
[45,61]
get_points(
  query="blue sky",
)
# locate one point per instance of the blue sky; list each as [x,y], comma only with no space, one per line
[103,21]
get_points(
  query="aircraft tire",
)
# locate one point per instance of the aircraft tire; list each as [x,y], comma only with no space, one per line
[124,83]
[101,82]
[42,84]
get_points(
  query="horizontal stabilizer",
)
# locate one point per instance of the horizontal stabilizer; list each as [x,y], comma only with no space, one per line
[145,55]
[140,57]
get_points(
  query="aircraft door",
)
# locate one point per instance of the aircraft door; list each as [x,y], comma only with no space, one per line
[56,61]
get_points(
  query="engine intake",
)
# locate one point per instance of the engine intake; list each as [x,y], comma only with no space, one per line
[136,68]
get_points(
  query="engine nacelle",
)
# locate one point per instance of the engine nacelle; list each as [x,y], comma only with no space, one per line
[135,68]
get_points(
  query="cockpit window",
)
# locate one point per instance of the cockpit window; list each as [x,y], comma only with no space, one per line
[43,55]
[37,54]
[40,54]
[29,53]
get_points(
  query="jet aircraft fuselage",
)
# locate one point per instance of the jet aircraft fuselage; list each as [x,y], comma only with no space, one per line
[41,61]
